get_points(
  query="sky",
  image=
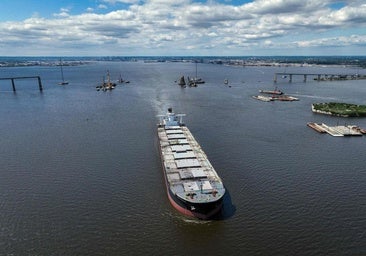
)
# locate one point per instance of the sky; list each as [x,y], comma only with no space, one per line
[182,27]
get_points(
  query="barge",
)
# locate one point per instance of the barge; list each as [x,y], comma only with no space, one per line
[274,92]
[317,127]
[337,131]
[263,98]
[192,184]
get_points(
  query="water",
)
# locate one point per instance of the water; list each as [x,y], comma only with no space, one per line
[81,175]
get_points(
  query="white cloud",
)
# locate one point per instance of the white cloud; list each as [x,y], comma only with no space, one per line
[102,6]
[334,41]
[121,1]
[347,15]
[64,12]
[64,9]
[185,27]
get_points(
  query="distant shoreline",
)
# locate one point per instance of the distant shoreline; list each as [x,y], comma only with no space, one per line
[239,61]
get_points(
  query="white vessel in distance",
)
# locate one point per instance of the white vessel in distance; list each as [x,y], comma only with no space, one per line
[193,186]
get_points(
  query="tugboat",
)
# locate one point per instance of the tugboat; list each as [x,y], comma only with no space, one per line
[193,186]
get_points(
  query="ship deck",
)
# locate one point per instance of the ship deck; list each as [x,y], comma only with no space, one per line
[189,173]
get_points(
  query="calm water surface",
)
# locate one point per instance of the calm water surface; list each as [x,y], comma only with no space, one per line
[81,175]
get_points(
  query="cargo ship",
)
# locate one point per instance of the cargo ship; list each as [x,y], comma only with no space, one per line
[193,186]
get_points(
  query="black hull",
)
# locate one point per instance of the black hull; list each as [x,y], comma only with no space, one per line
[202,211]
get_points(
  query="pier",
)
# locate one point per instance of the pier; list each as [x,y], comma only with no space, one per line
[319,77]
[23,77]
[337,131]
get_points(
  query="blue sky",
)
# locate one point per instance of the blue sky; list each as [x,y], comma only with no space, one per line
[182,27]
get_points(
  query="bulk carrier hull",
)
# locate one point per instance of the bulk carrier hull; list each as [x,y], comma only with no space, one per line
[193,186]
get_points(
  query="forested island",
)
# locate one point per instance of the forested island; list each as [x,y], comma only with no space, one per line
[339,109]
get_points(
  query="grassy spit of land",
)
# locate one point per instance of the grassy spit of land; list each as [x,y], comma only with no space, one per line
[339,109]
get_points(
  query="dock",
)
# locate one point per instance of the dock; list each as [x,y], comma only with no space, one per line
[337,131]
[12,79]
[317,127]
[318,76]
